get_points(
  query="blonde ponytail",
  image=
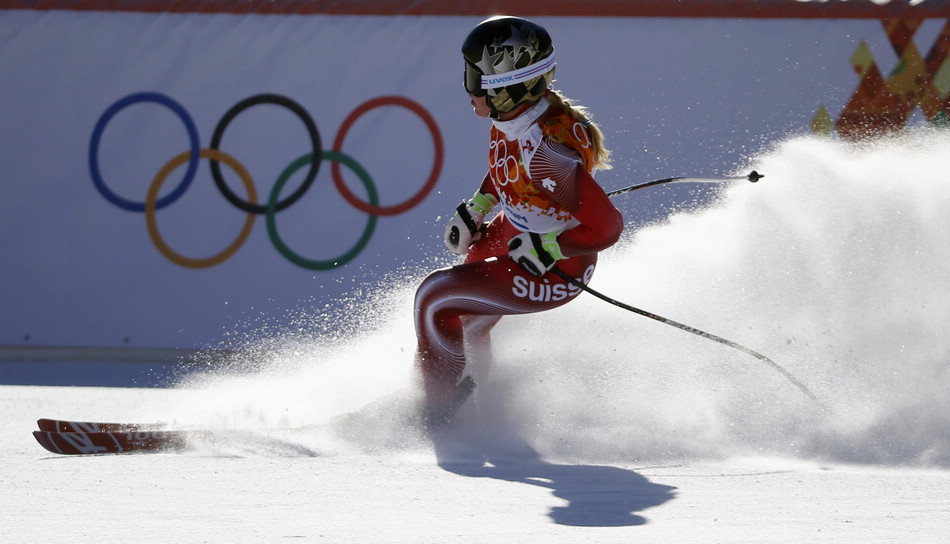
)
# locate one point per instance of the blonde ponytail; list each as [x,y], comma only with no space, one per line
[578,112]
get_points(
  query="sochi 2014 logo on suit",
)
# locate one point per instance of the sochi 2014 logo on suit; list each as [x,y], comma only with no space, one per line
[274,204]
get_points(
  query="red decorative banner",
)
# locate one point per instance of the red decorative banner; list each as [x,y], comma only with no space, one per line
[786,9]
[883,105]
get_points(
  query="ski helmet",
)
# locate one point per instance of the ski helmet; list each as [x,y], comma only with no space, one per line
[509,59]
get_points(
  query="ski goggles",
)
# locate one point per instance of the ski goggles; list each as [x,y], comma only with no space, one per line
[473,80]
[477,83]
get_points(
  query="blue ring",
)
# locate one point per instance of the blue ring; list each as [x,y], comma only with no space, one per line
[97,135]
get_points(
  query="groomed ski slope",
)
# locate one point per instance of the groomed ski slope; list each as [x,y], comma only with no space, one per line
[594,425]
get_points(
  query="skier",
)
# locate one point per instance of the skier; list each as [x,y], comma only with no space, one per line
[542,155]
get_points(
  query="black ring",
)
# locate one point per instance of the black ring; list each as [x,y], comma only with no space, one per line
[314,139]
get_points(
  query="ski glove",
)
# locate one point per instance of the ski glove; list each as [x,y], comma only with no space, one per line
[465,227]
[535,252]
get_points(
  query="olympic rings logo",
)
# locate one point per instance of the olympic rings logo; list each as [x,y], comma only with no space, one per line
[505,166]
[313,159]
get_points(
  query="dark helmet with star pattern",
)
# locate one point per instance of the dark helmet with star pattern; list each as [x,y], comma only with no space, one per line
[510,60]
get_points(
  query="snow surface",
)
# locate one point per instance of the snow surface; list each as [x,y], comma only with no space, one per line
[594,424]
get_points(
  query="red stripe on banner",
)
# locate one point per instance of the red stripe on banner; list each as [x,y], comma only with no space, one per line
[787,9]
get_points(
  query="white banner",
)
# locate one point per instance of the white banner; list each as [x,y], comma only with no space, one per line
[117,230]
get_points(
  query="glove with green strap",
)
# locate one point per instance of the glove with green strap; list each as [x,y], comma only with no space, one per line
[536,253]
[465,227]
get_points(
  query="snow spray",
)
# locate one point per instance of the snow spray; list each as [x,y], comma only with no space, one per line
[836,265]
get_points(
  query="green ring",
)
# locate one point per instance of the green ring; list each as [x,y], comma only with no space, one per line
[284,249]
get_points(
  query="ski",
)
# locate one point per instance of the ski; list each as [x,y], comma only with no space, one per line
[128,441]
[64,426]
[65,437]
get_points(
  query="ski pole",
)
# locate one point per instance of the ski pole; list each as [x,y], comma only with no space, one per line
[753,177]
[788,375]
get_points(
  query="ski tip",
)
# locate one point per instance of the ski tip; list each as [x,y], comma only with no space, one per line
[68,426]
[54,425]
[111,442]
[44,439]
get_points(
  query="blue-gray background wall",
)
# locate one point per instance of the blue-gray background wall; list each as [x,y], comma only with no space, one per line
[675,96]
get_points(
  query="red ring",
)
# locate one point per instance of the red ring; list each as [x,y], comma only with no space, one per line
[395,209]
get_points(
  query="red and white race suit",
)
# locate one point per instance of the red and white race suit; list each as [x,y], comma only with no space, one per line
[540,172]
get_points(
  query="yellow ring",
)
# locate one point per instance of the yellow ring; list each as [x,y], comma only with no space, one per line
[152,198]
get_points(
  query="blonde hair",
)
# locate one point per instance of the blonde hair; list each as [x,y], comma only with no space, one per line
[580,113]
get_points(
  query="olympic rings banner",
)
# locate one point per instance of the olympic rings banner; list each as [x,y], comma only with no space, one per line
[196,179]
[250,205]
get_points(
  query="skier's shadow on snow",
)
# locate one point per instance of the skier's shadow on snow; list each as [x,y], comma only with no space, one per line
[597,496]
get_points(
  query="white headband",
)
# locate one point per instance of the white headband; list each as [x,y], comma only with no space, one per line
[520,75]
